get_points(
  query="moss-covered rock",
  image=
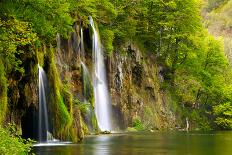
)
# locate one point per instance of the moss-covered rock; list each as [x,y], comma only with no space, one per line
[62,117]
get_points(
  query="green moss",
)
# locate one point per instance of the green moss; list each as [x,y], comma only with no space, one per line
[68,98]
[137,124]
[95,123]
[87,88]
[85,107]
[3,93]
[61,100]
[85,129]
[149,116]
[129,129]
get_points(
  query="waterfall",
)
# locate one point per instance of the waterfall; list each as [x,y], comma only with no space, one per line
[187,124]
[101,94]
[43,114]
[86,86]
[85,71]
[86,94]
[82,46]
[85,80]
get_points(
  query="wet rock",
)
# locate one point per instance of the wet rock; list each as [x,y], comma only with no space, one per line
[138,94]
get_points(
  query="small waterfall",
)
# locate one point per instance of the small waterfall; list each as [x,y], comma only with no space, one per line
[187,124]
[87,95]
[85,71]
[86,82]
[82,46]
[102,101]
[120,74]
[43,114]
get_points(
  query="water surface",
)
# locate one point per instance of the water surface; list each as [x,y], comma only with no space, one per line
[176,143]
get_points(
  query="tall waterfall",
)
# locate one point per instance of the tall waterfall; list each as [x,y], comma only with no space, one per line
[102,101]
[43,114]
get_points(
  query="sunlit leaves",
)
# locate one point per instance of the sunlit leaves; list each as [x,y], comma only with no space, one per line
[47,17]
[223,113]
[14,36]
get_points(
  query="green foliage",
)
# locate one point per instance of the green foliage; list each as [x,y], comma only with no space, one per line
[219,23]
[87,110]
[107,38]
[83,106]
[3,93]
[87,87]
[125,24]
[202,81]
[137,124]
[14,39]
[13,144]
[196,70]
[47,17]
[101,10]
[223,113]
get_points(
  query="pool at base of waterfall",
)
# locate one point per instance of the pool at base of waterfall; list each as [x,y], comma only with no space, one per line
[145,143]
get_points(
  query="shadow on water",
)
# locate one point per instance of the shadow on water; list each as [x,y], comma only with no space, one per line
[160,143]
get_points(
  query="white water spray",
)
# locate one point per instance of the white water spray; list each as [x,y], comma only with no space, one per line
[102,101]
[43,114]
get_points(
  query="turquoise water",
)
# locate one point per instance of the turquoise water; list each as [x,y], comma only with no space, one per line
[176,143]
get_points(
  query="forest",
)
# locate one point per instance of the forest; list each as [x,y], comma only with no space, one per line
[187,42]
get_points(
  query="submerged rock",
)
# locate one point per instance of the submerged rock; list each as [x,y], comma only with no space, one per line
[105,132]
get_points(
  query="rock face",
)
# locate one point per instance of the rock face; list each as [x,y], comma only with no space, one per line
[23,98]
[135,90]
[134,84]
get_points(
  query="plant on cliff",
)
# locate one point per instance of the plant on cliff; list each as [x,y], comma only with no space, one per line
[62,116]
[12,144]
[223,113]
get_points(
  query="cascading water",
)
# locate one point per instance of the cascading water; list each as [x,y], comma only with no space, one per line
[82,47]
[85,71]
[87,95]
[43,114]
[86,83]
[86,86]
[102,101]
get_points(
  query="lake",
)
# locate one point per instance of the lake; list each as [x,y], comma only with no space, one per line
[145,143]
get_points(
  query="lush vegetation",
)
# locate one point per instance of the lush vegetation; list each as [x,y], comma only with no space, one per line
[11,143]
[195,70]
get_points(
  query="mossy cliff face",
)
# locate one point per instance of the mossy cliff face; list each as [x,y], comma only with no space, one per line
[65,99]
[22,96]
[65,77]
[69,81]
[135,89]
[133,81]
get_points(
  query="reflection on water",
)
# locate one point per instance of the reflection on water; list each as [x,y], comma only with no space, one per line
[219,143]
[101,145]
